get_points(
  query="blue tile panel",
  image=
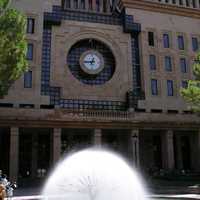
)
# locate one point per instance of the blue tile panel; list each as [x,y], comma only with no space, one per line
[59,14]
[73,62]
[129,25]
[55,18]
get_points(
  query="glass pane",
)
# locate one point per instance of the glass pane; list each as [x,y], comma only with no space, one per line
[154,87]
[30,25]
[168,63]
[151,38]
[28,79]
[180,42]
[195,45]
[29,55]
[152,62]
[183,65]
[166,40]
[169,87]
[184,84]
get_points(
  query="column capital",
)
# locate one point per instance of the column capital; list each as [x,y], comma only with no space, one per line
[57,132]
[134,132]
[169,133]
[14,130]
[98,132]
[97,137]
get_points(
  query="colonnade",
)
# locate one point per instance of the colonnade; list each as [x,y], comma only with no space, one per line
[167,140]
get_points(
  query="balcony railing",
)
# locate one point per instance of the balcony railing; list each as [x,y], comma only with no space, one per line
[100,6]
[195,4]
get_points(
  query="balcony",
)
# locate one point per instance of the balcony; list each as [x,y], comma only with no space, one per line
[194,4]
[97,6]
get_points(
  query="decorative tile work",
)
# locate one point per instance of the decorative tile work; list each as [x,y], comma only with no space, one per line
[73,62]
[129,25]
[59,14]
[55,18]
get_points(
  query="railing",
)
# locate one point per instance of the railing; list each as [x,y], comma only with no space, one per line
[195,4]
[100,6]
[99,115]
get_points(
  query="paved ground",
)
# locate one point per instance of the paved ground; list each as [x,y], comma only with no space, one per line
[161,190]
[152,197]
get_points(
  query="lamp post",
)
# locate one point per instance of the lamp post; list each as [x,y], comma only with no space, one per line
[134,137]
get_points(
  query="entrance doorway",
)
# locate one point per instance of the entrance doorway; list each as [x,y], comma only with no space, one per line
[34,155]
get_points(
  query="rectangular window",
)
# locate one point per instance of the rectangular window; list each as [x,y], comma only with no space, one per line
[83,4]
[97,5]
[166,40]
[170,89]
[152,62]
[151,38]
[28,79]
[180,42]
[29,55]
[66,4]
[75,4]
[90,4]
[184,84]
[154,87]
[183,65]
[30,25]
[195,45]
[168,63]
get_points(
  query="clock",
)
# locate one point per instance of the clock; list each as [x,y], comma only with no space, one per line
[91,62]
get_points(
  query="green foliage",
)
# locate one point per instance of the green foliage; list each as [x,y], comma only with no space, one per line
[192,93]
[4,5]
[13,47]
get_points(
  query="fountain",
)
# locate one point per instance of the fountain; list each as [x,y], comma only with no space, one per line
[94,175]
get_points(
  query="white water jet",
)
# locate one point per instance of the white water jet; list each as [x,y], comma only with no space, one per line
[94,175]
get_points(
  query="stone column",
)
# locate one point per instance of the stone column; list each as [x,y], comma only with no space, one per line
[14,153]
[94,5]
[56,144]
[198,149]
[168,150]
[135,146]
[198,4]
[97,140]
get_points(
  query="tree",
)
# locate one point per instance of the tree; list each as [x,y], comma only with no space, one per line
[192,93]
[13,46]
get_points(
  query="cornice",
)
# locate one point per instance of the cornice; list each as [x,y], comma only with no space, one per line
[161,8]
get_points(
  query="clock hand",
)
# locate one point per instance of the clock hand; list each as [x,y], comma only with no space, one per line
[92,60]
[87,61]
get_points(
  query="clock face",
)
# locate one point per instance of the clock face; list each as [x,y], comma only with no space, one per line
[92,62]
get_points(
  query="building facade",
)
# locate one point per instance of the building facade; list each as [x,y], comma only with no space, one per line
[107,74]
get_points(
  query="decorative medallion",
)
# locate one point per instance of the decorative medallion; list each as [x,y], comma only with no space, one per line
[91,62]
